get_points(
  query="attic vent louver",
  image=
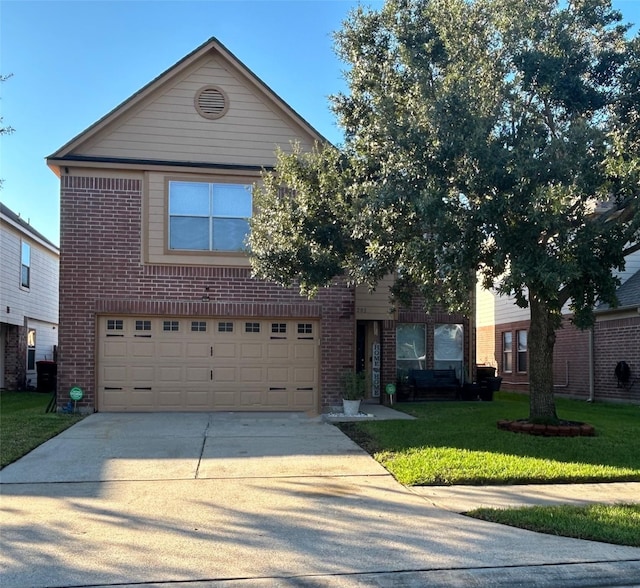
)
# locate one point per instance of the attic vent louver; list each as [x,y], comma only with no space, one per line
[211,102]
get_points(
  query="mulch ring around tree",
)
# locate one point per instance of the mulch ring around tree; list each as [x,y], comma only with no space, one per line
[560,429]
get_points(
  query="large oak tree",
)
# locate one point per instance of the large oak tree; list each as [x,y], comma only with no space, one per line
[484,139]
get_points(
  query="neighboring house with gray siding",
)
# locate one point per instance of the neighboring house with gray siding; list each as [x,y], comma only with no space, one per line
[29,266]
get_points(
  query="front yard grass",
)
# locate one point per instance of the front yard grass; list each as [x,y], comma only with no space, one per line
[459,443]
[24,424]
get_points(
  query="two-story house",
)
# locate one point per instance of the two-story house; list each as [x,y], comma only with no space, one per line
[584,361]
[159,310]
[28,301]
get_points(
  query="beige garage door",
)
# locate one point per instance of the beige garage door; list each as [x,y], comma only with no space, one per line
[195,364]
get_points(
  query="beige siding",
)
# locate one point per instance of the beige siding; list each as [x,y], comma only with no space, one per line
[485,307]
[167,127]
[374,305]
[40,300]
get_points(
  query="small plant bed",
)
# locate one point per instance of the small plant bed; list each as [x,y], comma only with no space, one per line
[559,429]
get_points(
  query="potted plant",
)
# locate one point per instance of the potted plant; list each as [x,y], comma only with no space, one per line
[354,387]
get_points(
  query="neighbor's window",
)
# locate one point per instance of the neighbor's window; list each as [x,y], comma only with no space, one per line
[208,217]
[522,351]
[411,349]
[31,349]
[507,351]
[25,272]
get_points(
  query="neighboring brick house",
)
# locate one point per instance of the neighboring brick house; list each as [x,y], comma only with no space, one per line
[584,361]
[159,311]
[28,301]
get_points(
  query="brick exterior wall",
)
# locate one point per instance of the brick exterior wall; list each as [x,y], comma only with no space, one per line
[614,340]
[101,271]
[617,340]
[15,357]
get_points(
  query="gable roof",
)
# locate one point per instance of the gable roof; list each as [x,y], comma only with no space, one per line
[628,295]
[7,215]
[68,152]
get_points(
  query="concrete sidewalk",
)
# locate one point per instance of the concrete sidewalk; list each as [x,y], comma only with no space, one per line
[255,500]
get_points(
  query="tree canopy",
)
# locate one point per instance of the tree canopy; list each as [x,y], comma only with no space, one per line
[490,138]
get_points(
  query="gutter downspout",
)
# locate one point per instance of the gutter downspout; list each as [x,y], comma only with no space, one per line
[591,367]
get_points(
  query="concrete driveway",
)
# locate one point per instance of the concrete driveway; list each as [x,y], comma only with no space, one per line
[255,500]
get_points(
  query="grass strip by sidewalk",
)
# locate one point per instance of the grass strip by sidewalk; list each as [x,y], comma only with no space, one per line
[459,443]
[618,524]
[24,424]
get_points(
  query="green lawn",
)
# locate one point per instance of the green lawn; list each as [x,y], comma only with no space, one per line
[24,424]
[459,443]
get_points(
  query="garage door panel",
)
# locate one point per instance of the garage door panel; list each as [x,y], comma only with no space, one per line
[277,398]
[224,399]
[198,374]
[303,352]
[213,364]
[113,348]
[304,399]
[304,375]
[278,374]
[171,374]
[170,399]
[197,399]
[254,375]
[225,375]
[117,374]
[251,398]
[141,399]
[224,350]
[142,348]
[142,374]
[251,351]
[279,351]
[199,350]
[170,350]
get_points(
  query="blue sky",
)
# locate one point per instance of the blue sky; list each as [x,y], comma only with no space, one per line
[74,61]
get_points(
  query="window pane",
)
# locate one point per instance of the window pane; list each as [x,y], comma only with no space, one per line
[411,342]
[448,342]
[522,340]
[24,276]
[189,233]
[189,198]
[31,349]
[507,352]
[26,254]
[522,351]
[232,200]
[229,234]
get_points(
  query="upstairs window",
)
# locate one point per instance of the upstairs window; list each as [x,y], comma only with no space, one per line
[208,216]
[25,271]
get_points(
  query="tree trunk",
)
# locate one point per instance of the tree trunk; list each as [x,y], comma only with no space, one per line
[542,339]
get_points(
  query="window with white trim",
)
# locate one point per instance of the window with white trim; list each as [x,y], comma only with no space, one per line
[209,216]
[25,267]
[507,351]
[522,351]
